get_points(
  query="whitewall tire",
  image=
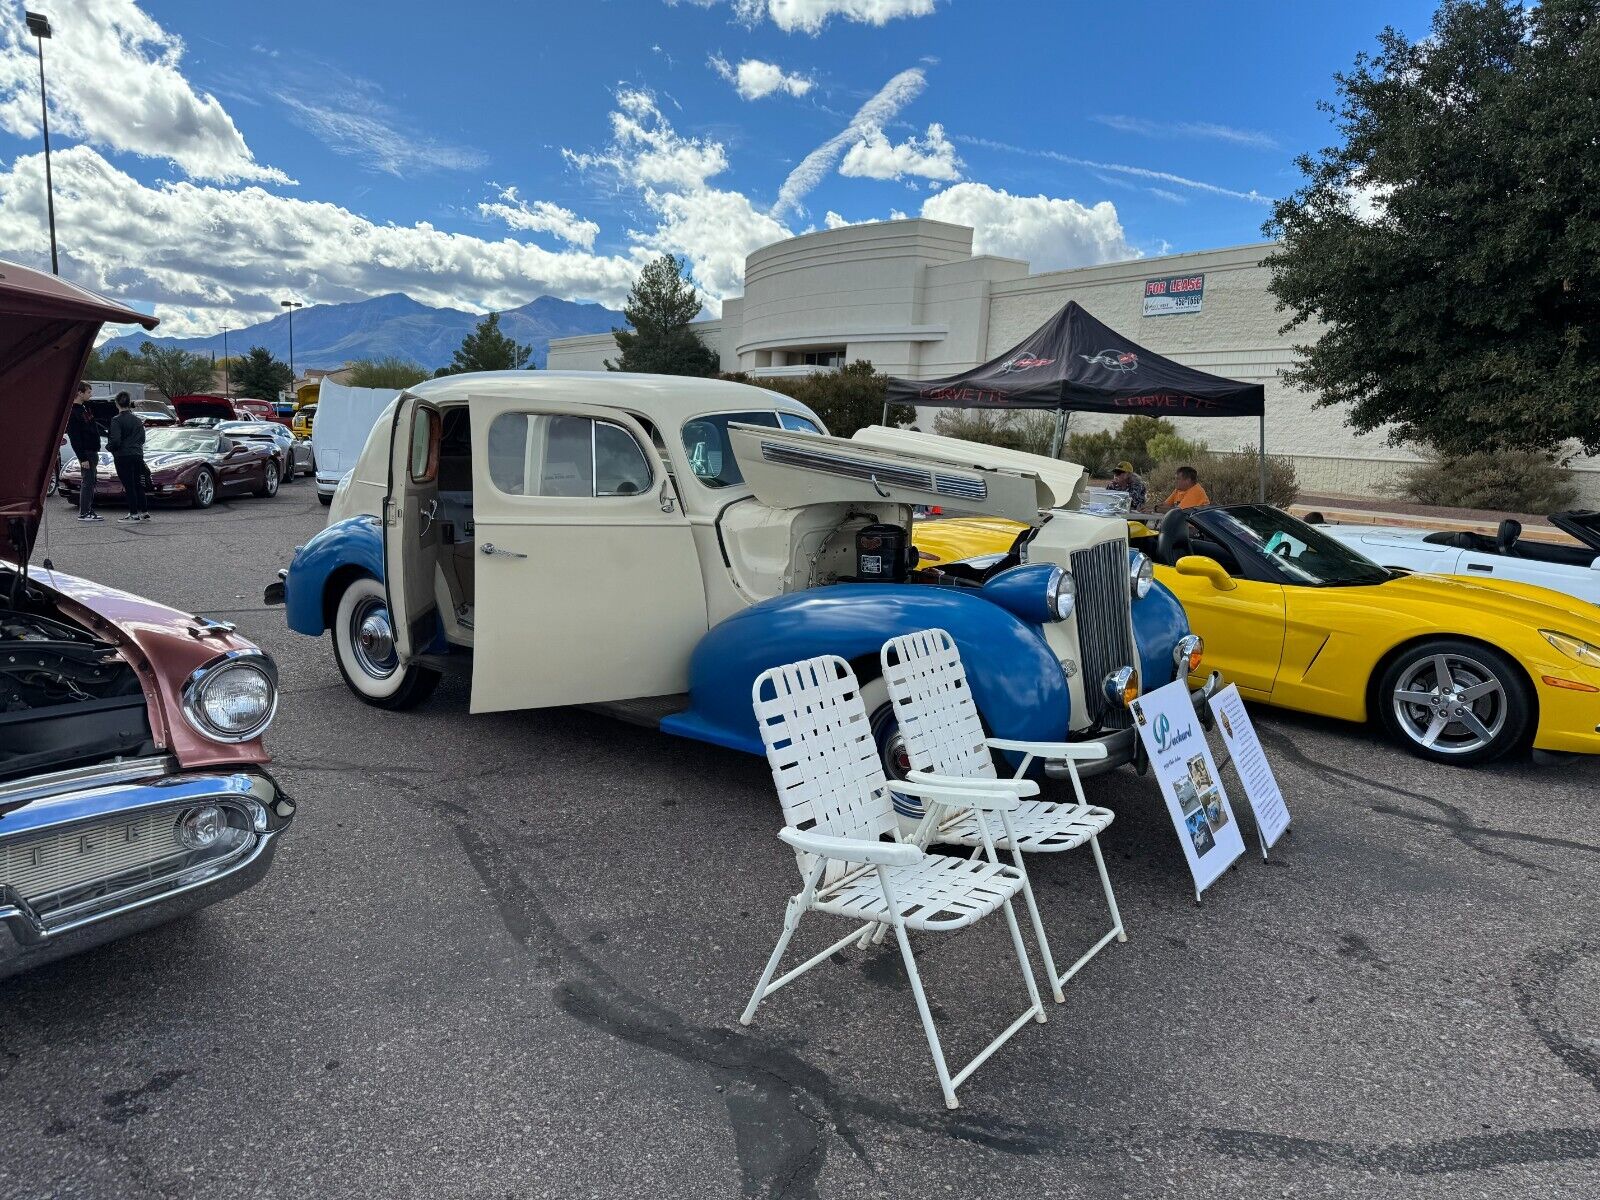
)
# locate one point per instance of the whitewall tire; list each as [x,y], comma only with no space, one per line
[363,646]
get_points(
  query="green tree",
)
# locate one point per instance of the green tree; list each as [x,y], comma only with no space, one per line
[392,373]
[487,349]
[175,372]
[116,365]
[257,374]
[659,308]
[1450,244]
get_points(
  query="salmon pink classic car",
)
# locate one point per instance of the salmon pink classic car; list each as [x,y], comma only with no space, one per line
[649,545]
[133,786]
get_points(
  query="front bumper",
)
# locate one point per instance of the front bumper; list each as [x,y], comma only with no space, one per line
[90,811]
[1123,746]
[327,484]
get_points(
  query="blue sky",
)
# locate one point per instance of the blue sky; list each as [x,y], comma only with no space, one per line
[210,156]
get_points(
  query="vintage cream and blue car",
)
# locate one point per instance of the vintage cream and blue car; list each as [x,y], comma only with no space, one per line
[649,545]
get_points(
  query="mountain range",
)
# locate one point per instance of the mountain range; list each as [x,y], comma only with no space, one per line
[394,325]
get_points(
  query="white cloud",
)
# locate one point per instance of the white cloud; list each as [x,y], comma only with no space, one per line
[809,16]
[210,256]
[712,227]
[115,82]
[1049,233]
[1252,196]
[542,217]
[1188,129]
[875,157]
[875,113]
[754,79]
[363,128]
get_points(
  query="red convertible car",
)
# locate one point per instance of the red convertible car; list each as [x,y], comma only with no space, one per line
[188,466]
[133,787]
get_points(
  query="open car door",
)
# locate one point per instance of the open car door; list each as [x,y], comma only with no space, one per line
[790,469]
[588,585]
[410,525]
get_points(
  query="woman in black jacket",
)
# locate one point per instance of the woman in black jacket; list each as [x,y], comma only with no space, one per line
[125,440]
[83,435]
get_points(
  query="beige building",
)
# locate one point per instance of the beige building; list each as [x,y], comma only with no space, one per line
[912,298]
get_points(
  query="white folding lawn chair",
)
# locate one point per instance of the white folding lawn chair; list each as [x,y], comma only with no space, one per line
[836,809]
[944,738]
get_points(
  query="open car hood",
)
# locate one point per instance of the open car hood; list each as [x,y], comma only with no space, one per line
[1581,523]
[47,327]
[789,469]
[1061,478]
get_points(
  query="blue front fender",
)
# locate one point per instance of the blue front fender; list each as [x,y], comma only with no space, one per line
[356,543]
[1158,622]
[1017,682]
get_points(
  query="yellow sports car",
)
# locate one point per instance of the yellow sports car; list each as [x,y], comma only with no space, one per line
[1457,670]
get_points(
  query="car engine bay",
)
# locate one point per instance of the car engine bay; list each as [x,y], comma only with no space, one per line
[66,698]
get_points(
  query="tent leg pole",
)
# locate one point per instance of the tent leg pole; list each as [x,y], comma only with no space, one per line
[1061,429]
[1261,454]
[885,421]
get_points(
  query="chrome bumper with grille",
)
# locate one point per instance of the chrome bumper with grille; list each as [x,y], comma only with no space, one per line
[90,855]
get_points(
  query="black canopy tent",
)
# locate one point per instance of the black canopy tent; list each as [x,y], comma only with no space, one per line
[1074,363]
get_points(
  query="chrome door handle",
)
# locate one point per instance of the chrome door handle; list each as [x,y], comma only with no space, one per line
[491,548]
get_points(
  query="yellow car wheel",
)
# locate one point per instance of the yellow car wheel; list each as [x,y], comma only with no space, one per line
[1453,701]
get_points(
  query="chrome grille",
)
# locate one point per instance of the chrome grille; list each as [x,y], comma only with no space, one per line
[66,858]
[1105,630]
[965,487]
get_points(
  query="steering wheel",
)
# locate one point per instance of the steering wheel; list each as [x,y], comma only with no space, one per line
[1172,543]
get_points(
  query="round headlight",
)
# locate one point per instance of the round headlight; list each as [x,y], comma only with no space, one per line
[1063,593]
[202,828]
[233,700]
[1141,574]
[1121,686]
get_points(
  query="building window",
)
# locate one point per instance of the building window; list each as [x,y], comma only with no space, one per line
[819,358]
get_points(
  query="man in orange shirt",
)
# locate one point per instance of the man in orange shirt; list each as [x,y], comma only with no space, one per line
[1186,490]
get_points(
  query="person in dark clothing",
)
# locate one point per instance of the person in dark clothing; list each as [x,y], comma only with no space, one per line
[125,440]
[83,435]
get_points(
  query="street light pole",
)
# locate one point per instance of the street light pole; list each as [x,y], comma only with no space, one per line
[227,383]
[39,26]
[291,305]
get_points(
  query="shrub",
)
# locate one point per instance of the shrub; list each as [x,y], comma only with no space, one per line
[985,426]
[1169,447]
[1230,478]
[1096,453]
[1524,481]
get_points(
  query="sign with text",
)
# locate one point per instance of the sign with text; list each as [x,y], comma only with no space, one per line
[1190,783]
[1250,760]
[1173,295]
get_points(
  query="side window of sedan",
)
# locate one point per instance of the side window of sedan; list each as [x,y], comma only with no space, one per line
[543,454]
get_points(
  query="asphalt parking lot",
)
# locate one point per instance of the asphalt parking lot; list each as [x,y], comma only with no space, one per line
[504,956]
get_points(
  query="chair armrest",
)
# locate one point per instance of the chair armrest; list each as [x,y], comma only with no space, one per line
[856,850]
[998,795]
[976,784]
[1081,751]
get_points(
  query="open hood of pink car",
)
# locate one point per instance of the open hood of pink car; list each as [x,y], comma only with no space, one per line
[47,328]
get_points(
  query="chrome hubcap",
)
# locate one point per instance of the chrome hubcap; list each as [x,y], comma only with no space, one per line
[373,639]
[1450,703]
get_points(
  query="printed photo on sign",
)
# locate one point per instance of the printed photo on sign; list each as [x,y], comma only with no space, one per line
[1191,787]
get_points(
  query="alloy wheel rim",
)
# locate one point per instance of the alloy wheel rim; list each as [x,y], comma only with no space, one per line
[372,639]
[272,478]
[1450,704]
[203,488]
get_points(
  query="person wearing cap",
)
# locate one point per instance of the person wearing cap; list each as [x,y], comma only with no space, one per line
[1125,479]
[83,435]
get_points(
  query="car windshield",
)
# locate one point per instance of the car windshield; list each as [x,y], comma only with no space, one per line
[246,429]
[705,441]
[1298,552]
[180,441]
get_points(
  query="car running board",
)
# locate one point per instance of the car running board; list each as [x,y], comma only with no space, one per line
[648,711]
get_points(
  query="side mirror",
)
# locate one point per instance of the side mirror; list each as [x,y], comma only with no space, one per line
[1198,566]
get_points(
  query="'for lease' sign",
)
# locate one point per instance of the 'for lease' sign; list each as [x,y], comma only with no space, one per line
[1173,295]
